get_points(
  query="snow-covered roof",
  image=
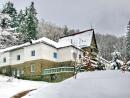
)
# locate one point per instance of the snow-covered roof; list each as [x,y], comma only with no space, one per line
[40,40]
[46,40]
[13,47]
[80,39]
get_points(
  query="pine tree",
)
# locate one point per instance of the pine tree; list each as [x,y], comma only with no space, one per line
[11,11]
[21,20]
[31,22]
[128,41]
[66,31]
[3,23]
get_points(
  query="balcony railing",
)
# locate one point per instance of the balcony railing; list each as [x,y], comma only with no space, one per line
[59,70]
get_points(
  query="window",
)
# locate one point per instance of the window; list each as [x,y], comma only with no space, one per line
[80,56]
[18,73]
[18,57]
[4,59]
[32,67]
[33,53]
[4,70]
[74,55]
[55,55]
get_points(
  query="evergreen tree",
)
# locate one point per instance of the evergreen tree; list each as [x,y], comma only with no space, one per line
[21,20]
[66,31]
[128,41]
[3,23]
[11,11]
[31,22]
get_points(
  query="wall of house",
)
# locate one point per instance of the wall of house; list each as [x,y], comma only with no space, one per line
[79,53]
[2,56]
[13,56]
[66,54]
[24,70]
[42,51]
[48,53]
[38,52]
[80,40]
[43,59]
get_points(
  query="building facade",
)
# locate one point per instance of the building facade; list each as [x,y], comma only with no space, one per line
[85,40]
[30,59]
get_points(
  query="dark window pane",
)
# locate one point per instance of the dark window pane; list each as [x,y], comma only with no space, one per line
[55,55]
[18,57]
[33,53]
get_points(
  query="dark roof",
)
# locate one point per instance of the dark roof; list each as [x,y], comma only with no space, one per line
[77,33]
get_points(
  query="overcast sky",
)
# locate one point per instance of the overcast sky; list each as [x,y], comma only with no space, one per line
[106,16]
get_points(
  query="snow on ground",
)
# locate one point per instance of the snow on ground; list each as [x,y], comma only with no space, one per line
[98,84]
[10,88]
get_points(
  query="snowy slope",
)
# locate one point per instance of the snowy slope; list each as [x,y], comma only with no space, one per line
[10,88]
[102,84]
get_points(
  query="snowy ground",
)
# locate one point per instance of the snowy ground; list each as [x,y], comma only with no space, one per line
[98,84]
[10,88]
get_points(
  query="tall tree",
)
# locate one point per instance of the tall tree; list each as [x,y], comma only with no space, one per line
[7,36]
[11,11]
[128,41]
[21,21]
[31,22]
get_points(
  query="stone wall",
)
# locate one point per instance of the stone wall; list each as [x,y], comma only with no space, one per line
[24,70]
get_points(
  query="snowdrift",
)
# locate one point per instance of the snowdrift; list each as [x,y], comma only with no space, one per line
[10,86]
[98,84]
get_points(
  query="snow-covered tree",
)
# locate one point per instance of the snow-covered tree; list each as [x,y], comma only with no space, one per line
[128,41]
[21,19]
[31,22]
[8,36]
[11,11]
[116,62]
[4,20]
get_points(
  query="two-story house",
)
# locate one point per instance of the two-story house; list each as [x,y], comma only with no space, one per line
[29,59]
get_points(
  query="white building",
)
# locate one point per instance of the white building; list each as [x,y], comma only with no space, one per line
[31,59]
[38,53]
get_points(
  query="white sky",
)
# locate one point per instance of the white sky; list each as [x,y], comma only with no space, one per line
[106,16]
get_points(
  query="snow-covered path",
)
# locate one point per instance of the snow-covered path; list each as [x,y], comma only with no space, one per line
[98,84]
[10,88]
